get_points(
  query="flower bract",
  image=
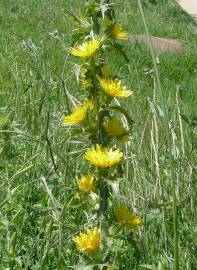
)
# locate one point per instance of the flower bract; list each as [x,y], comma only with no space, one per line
[86,49]
[106,71]
[78,114]
[88,242]
[124,216]
[86,183]
[86,83]
[114,88]
[78,196]
[103,157]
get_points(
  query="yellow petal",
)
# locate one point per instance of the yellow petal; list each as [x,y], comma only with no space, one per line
[88,242]
[114,88]
[103,157]
[87,49]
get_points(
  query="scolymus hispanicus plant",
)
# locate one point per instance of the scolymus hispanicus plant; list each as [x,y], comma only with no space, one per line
[103,120]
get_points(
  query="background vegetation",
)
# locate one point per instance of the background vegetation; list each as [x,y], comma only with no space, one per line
[39,160]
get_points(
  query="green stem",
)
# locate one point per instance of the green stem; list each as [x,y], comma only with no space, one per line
[95,94]
[96,26]
[103,198]
[99,128]
[166,119]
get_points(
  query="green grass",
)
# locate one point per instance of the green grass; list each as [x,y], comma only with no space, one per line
[39,161]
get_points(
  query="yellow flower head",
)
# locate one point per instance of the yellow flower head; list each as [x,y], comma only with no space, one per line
[124,216]
[118,33]
[103,157]
[78,114]
[88,242]
[114,88]
[116,30]
[114,128]
[87,49]
[86,183]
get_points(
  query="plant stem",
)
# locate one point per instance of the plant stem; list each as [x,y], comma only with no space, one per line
[103,198]
[99,120]
[166,119]
[99,123]
[96,26]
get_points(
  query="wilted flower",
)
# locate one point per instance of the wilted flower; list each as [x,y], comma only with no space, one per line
[86,49]
[88,242]
[86,183]
[124,216]
[115,128]
[103,157]
[78,114]
[114,88]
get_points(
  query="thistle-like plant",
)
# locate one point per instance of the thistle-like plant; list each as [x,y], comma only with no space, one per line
[100,118]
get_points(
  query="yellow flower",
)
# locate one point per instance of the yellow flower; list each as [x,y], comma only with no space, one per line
[114,88]
[86,49]
[116,30]
[124,216]
[124,138]
[115,128]
[118,33]
[103,157]
[86,184]
[88,242]
[78,114]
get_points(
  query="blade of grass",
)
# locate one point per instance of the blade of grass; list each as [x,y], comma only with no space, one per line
[166,120]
